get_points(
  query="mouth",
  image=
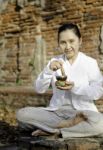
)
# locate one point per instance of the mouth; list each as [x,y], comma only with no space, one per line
[69,50]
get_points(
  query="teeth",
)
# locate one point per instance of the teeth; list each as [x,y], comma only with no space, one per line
[69,51]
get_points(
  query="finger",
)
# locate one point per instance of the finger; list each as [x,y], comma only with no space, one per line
[56,83]
[65,87]
[62,88]
[55,68]
[69,83]
[61,63]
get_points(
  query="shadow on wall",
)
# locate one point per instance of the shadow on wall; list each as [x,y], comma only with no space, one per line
[101,40]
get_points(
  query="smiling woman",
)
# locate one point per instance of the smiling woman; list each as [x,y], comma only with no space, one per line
[71,111]
[69,39]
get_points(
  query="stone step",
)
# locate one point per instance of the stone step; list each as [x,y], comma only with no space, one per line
[13,138]
[70,144]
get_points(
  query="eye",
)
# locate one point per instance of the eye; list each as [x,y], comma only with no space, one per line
[62,42]
[71,40]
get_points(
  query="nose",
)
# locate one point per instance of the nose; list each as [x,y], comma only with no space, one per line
[67,45]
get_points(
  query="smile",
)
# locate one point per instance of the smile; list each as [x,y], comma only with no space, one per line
[69,51]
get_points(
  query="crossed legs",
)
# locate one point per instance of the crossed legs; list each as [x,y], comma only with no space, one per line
[48,123]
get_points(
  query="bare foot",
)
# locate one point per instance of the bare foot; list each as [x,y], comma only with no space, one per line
[39,132]
[71,122]
[47,135]
[81,116]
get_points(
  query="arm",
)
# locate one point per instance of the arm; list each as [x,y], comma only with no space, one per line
[95,88]
[44,79]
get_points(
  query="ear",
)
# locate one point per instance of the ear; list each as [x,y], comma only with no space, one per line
[80,41]
[57,48]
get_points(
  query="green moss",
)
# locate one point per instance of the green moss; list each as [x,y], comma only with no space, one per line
[18,82]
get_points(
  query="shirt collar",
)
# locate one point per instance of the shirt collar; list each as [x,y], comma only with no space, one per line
[66,60]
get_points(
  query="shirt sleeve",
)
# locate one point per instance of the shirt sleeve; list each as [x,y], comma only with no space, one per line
[43,81]
[94,90]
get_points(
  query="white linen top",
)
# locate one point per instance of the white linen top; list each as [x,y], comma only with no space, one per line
[87,78]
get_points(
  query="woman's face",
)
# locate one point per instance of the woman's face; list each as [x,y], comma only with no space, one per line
[69,43]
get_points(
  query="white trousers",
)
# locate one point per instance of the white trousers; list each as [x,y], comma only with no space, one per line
[37,117]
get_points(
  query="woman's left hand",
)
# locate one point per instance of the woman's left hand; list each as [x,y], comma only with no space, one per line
[69,85]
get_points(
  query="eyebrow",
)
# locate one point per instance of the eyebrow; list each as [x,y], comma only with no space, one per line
[67,40]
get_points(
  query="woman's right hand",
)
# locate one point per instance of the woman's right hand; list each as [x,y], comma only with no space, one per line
[55,65]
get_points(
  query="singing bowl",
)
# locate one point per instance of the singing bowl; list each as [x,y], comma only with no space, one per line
[61,78]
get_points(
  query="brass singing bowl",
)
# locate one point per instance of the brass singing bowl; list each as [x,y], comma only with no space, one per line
[61,78]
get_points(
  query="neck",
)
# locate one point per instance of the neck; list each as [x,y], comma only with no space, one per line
[72,59]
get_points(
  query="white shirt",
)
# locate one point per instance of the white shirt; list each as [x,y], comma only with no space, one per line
[87,78]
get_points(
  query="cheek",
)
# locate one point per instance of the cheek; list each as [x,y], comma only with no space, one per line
[76,45]
[62,46]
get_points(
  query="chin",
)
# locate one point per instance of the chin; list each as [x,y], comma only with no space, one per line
[69,56]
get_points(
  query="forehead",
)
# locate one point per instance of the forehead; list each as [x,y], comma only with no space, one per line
[67,34]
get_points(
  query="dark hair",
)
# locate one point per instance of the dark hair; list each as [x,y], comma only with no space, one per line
[69,26]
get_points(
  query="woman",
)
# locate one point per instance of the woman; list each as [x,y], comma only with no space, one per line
[84,85]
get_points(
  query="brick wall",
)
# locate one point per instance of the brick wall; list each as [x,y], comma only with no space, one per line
[24,24]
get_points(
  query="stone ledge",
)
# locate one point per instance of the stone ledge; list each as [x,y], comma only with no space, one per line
[16,97]
[69,144]
[21,90]
[21,96]
[29,91]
